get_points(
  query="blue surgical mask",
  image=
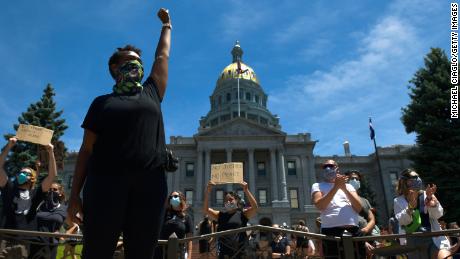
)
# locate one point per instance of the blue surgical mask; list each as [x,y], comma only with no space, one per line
[230,206]
[329,174]
[23,177]
[175,202]
[355,183]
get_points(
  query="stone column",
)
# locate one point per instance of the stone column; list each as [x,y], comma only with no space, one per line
[282,170]
[310,209]
[305,180]
[207,168]
[274,175]
[229,159]
[252,176]
[312,172]
[199,176]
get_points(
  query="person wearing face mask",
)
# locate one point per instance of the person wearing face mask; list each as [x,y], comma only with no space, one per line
[280,244]
[176,221]
[339,205]
[123,155]
[366,217]
[233,216]
[50,218]
[21,199]
[418,210]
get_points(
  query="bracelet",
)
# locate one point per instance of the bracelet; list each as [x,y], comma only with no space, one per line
[167,25]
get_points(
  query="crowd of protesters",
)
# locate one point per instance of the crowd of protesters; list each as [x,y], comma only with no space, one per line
[121,164]
[416,209]
[337,196]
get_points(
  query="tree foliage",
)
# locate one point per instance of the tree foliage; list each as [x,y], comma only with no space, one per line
[43,114]
[436,156]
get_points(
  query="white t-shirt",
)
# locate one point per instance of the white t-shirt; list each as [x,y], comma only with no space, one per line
[339,212]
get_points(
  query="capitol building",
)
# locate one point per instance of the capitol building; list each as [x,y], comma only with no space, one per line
[279,167]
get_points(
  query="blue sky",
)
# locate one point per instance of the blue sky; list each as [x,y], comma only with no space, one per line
[326,65]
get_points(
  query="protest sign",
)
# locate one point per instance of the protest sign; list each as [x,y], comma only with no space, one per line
[227,173]
[34,134]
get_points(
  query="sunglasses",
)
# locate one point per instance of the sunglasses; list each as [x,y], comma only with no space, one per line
[328,166]
[414,183]
[54,189]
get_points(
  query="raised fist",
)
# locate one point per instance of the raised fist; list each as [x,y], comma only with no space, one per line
[163,14]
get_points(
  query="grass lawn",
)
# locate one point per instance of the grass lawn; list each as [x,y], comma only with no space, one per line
[60,251]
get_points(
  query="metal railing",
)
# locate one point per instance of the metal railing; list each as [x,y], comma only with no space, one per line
[173,247]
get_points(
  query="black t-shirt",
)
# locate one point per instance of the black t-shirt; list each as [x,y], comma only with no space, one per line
[130,132]
[231,220]
[50,221]
[20,206]
[174,222]
[280,247]
[205,228]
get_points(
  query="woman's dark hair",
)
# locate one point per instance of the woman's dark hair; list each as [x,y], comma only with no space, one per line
[239,202]
[183,203]
[115,58]
[350,172]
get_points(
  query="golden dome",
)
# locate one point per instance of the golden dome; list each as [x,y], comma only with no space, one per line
[231,72]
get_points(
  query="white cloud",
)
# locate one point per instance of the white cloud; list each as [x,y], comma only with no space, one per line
[390,45]
[338,100]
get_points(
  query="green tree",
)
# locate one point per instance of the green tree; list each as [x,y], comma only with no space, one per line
[42,113]
[367,192]
[436,156]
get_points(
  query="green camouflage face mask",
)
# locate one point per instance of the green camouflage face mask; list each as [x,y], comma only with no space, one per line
[129,78]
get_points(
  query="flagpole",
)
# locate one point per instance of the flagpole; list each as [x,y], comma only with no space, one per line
[238,79]
[379,167]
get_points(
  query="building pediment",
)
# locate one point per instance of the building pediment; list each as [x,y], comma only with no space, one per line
[241,127]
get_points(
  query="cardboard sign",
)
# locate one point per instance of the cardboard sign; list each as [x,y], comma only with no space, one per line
[34,134]
[227,173]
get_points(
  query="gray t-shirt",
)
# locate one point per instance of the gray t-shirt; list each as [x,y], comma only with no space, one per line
[364,214]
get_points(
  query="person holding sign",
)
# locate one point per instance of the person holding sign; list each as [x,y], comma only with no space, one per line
[418,211]
[122,157]
[20,198]
[232,217]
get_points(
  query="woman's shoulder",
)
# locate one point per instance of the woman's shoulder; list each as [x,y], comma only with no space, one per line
[399,198]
